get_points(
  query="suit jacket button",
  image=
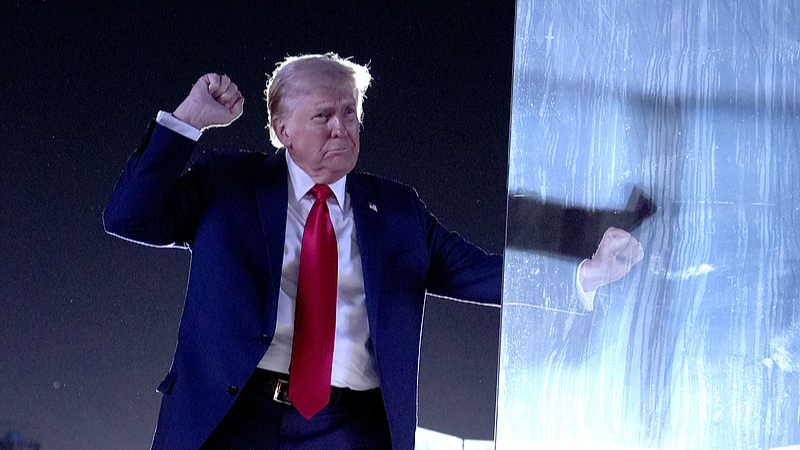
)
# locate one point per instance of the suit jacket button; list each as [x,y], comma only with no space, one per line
[233,390]
[264,339]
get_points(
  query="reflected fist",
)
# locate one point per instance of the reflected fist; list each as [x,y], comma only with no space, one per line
[617,253]
[214,101]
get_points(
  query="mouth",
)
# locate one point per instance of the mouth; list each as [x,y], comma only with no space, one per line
[340,150]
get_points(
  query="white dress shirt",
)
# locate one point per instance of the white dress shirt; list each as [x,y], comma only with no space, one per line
[353,358]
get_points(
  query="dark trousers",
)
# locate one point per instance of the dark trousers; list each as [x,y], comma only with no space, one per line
[353,420]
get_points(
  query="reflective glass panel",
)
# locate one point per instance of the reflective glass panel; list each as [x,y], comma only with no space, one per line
[679,120]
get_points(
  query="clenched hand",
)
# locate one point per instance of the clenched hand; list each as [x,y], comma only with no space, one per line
[214,101]
[617,253]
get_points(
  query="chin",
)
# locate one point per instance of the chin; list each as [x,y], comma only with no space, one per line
[344,161]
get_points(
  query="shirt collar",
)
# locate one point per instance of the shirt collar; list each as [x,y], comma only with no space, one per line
[302,182]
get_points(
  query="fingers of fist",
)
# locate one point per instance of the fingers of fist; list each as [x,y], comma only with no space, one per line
[619,245]
[617,254]
[222,89]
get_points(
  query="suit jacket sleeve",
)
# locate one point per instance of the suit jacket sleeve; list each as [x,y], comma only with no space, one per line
[459,269]
[152,203]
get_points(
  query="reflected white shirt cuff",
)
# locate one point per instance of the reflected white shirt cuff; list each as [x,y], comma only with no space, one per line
[166,119]
[586,298]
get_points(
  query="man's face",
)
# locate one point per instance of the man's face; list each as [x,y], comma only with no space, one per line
[321,130]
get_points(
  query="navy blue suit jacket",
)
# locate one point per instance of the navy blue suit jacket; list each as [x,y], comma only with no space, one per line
[229,209]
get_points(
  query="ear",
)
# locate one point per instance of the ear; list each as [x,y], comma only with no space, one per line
[281,128]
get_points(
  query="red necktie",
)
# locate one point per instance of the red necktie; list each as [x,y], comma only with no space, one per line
[315,311]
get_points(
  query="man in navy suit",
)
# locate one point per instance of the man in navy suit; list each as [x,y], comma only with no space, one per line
[243,217]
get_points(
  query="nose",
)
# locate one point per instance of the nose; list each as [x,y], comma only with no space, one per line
[337,126]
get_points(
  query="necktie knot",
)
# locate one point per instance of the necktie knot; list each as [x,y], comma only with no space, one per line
[321,192]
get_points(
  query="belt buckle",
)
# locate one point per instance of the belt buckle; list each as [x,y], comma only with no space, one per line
[281,394]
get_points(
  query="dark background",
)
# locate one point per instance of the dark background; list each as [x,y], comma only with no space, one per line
[88,322]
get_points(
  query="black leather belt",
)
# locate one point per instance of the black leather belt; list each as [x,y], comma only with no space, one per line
[276,386]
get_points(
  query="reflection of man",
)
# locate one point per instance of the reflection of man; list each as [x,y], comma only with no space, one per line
[252,221]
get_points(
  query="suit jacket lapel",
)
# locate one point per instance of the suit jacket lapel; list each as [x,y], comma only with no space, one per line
[366,206]
[272,197]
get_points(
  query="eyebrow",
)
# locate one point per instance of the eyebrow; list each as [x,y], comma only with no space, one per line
[331,106]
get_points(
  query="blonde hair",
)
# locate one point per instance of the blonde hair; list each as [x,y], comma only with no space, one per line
[296,75]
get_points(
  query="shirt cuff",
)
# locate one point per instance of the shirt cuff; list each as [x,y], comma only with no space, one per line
[586,298]
[167,120]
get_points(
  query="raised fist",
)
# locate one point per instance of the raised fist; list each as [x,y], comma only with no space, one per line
[617,253]
[214,101]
